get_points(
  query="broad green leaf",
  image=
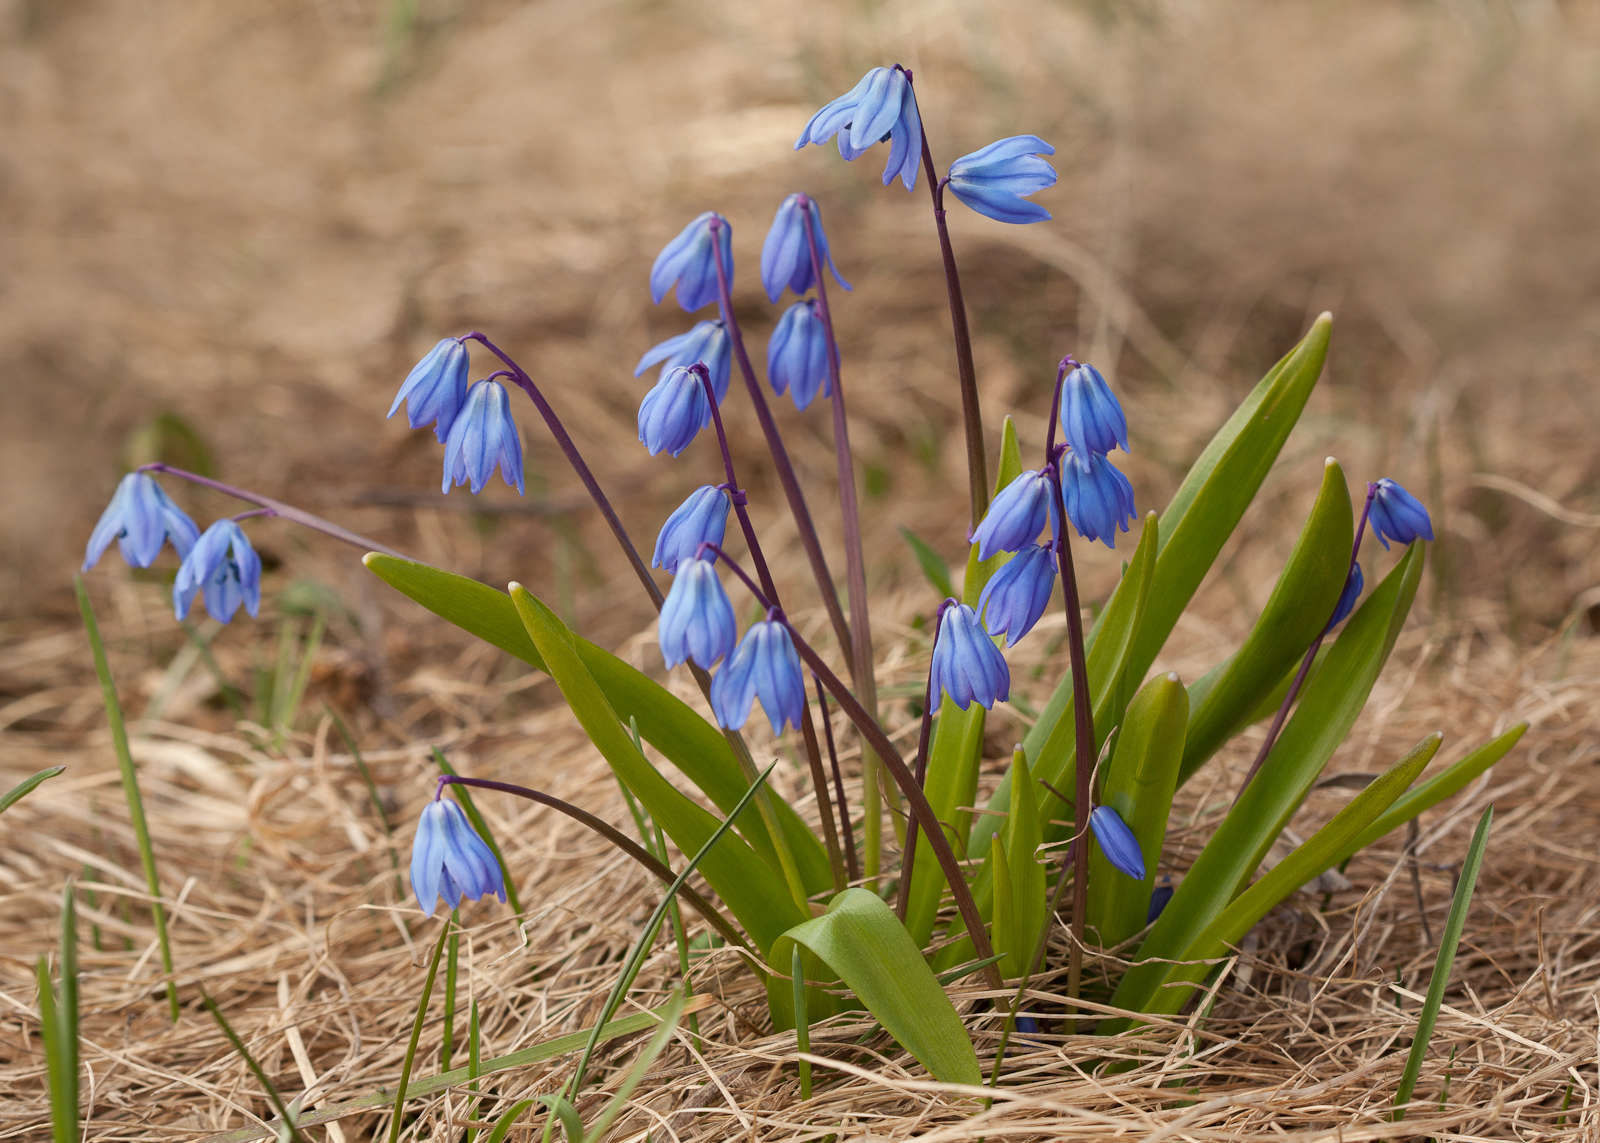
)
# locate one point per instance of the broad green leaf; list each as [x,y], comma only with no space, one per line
[1139,783]
[1327,709]
[25,787]
[1020,908]
[1295,613]
[754,890]
[934,567]
[687,740]
[1204,511]
[1448,781]
[1175,981]
[861,940]
[957,747]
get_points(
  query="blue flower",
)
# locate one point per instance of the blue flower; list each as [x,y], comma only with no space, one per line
[435,389]
[1016,515]
[1098,497]
[1091,418]
[765,664]
[993,180]
[483,436]
[706,344]
[967,665]
[449,860]
[141,518]
[674,410]
[1018,593]
[1117,842]
[701,519]
[1397,515]
[1160,897]
[786,254]
[881,106]
[225,567]
[797,355]
[696,618]
[1347,598]
[688,261]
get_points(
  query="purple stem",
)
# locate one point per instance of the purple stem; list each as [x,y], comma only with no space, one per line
[838,783]
[1282,714]
[616,837]
[908,862]
[277,508]
[575,459]
[971,412]
[780,455]
[253,513]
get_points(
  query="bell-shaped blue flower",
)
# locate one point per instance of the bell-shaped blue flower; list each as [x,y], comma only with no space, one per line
[223,566]
[1098,497]
[701,519]
[786,254]
[993,181]
[689,262]
[797,355]
[1160,898]
[1353,584]
[1091,417]
[706,344]
[436,388]
[450,861]
[1018,593]
[674,410]
[1016,515]
[967,665]
[696,620]
[1117,842]
[482,437]
[141,518]
[1397,515]
[881,106]
[765,665]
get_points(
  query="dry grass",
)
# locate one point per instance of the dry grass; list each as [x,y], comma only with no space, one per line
[217,216]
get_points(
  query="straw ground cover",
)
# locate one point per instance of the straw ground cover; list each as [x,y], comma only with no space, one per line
[206,235]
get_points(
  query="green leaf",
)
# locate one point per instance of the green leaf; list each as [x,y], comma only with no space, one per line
[687,740]
[1139,782]
[861,939]
[670,1019]
[1319,852]
[508,1120]
[1328,707]
[23,788]
[754,890]
[1024,834]
[1294,615]
[934,568]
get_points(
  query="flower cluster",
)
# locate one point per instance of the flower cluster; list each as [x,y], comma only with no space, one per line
[474,423]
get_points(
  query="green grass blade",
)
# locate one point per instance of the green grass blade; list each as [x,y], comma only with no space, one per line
[416,1033]
[503,1125]
[470,808]
[452,956]
[63,1110]
[67,1009]
[1445,961]
[934,568]
[802,1019]
[25,787]
[288,707]
[285,1116]
[130,787]
[670,1019]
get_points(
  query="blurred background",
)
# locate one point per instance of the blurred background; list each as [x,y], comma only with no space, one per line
[229,230]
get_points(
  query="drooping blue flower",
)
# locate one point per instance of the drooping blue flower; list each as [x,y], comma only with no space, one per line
[1353,584]
[1117,841]
[1397,515]
[1098,497]
[967,665]
[482,437]
[1018,593]
[141,518]
[706,344]
[674,410]
[786,254]
[689,262]
[1016,515]
[880,106]
[993,180]
[1091,417]
[696,618]
[450,861]
[765,665]
[701,519]
[223,566]
[435,389]
[797,355]
[1160,897]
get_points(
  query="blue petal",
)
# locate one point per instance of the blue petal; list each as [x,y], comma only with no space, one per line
[878,108]
[835,114]
[1117,842]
